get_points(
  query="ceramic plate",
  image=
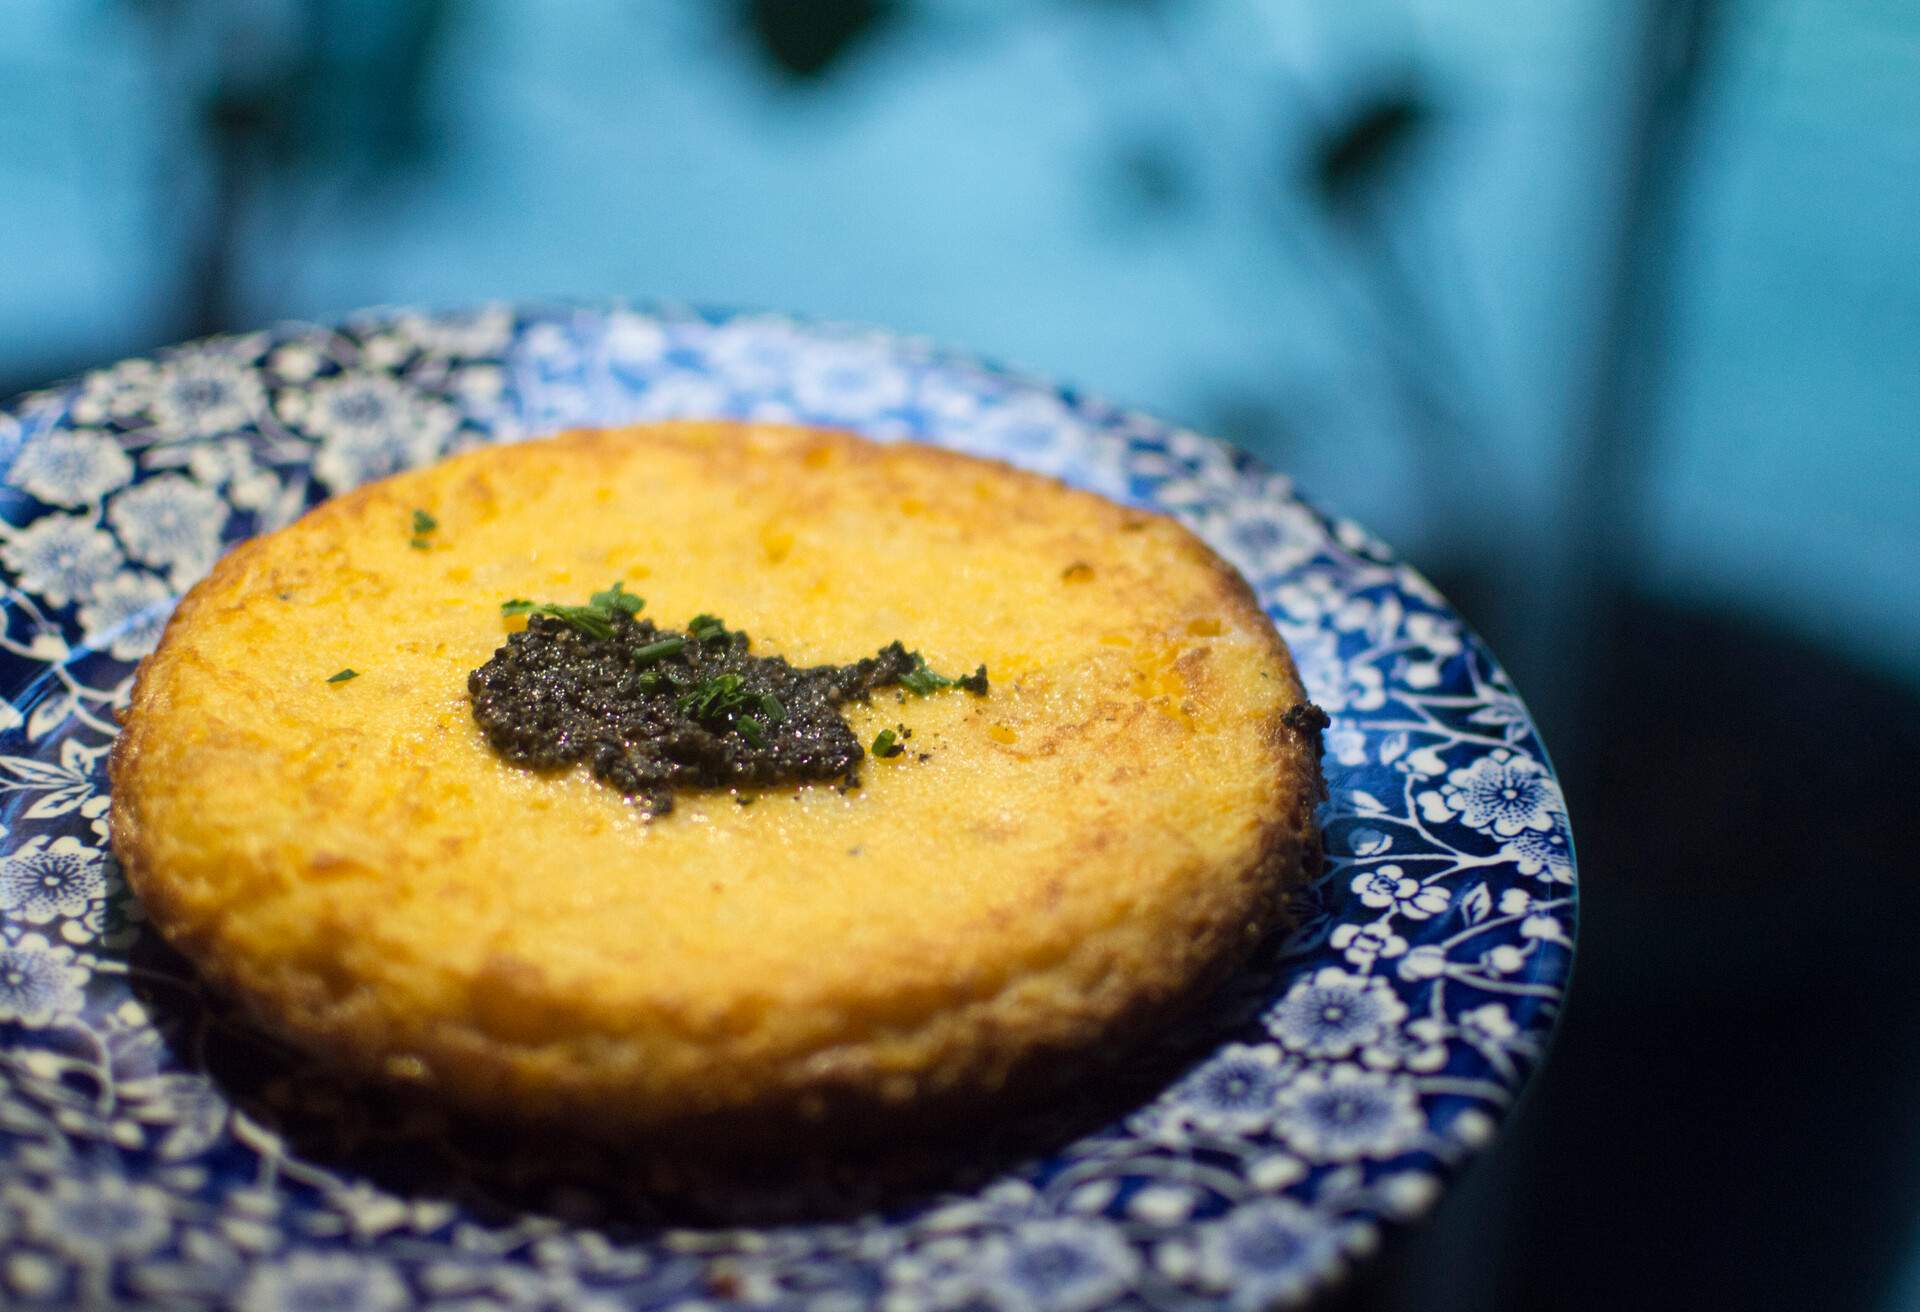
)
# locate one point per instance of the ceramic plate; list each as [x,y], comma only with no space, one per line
[156,1153]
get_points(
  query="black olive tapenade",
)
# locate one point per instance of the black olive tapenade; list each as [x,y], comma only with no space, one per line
[653,710]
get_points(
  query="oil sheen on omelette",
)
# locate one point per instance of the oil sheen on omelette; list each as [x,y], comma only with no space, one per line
[1051,866]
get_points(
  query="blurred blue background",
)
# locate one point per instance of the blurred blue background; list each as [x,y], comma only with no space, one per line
[1606,314]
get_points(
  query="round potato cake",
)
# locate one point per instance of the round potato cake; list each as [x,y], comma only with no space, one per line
[1044,869]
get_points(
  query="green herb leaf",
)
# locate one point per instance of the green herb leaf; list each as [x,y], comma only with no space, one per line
[651,682]
[423,524]
[653,651]
[771,708]
[616,598]
[752,730]
[343,676]
[921,679]
[885,745]
[713,698]
[707,628]
[590,620]
[595,619]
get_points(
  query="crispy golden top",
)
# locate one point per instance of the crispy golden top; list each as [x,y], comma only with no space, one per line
[355,859]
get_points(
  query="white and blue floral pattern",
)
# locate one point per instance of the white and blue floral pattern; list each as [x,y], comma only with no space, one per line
[1268,1254]
[63,558]
[1547,853]
[369,425]
[1333,1013]
[172,523]
[201,391]
[1343,1113]
[1232,1094]
[71,467]
[39,981]
[1342,1079]
[322,1282]
[127,613]
[1500,793]
[1067,1265]
[39,883]
[100,1217]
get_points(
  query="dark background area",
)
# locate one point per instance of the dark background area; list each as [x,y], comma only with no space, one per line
[1605,313]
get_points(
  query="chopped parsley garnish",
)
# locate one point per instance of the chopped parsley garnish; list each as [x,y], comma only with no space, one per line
[707,628]
[752,730]
[343,676]
[423,527]
[921,679]
[886,745]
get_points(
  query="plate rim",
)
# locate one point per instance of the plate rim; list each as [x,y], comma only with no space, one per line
[1541,1020]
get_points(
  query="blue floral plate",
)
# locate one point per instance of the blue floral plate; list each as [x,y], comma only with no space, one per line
[148,1156]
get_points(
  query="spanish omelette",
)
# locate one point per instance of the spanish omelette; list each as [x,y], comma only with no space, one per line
[1053,866]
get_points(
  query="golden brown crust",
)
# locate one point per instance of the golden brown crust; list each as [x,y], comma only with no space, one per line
[346,859]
